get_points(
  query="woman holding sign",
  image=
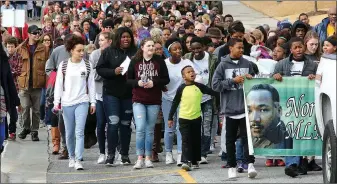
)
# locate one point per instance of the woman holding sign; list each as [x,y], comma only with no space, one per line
[116,93]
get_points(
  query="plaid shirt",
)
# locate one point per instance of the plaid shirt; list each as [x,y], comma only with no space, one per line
[15,62]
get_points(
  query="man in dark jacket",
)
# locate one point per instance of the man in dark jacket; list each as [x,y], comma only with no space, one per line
[297,64]
[328,25]
[299,29]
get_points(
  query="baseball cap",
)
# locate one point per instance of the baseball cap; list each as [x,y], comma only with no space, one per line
[33,28]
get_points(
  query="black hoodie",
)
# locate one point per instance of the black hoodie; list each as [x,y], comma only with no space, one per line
[114,85]
[298,24]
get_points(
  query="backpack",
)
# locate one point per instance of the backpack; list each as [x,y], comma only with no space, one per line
[64,69]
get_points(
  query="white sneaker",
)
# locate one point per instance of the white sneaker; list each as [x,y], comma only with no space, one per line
[251,171]
[139,164]
[231,173]
[169,158]
[220,153]
[212,148]
[78,165]
[71,162]
[179,160]
[203,160]
[101,159]
[148,164]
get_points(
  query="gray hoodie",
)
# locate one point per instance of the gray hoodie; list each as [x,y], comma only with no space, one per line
[231,94]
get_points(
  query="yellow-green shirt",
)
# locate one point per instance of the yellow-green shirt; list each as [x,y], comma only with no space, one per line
[330,30]
[189,97]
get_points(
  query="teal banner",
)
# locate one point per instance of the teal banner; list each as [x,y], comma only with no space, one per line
[281,117]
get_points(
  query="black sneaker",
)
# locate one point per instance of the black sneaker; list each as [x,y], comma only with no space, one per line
[23,134]
[125,160]
[291,171]
[110,160]
[312,166]
[35,136]
[303,167]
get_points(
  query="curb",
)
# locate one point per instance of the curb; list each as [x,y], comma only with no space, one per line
[4,178]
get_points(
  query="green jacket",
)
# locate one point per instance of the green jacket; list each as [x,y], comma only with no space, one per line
[212,64]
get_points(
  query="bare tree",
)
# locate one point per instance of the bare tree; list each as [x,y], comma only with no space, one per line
[316,9]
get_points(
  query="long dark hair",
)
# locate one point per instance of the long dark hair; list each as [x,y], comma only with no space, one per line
[118,36]
[139,54]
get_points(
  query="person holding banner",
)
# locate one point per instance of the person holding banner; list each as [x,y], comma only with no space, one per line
[228,80]
[297,64]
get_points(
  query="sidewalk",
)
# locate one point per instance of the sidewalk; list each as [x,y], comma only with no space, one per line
[249,17]
[24,161]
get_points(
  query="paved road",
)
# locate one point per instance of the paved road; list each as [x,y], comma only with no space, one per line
[25,161]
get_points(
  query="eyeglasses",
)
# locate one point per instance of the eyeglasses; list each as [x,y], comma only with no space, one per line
[198,30]
[35,33]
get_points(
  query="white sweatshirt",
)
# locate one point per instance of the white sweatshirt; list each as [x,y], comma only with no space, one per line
[75,85]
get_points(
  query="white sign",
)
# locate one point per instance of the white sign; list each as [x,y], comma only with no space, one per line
[13,18]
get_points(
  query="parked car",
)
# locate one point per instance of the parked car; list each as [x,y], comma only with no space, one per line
[325,107]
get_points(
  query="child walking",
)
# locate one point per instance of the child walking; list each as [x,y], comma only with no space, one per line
[189,96]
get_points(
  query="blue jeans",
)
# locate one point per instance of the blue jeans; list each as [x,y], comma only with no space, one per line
[101,124]
[239,150]
[169,132]
[43,104]
[292,160]
[3,122]
[118,114]
[145,117]
[20,6]
[74,121]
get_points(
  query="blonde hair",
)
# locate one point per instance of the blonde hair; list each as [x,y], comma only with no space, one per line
[89,48]
[313,35]
[207,18]
[258,35]
[156,34]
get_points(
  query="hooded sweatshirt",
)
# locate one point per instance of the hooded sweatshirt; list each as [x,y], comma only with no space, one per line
[298,24]
[231,94]
[156,70]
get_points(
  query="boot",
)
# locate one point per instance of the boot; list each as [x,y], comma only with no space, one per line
[157,139]
[55,134]
[154,157]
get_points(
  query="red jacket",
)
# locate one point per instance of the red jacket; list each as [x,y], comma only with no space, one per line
[23,35]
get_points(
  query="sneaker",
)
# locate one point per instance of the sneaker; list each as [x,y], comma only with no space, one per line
[291,171]
[148,164]
[312,166]
[42,124]
[212,148]
[225,166]
[139,164]
[110,160]
[251,171]
[179,160]
[279,162]
[240,168]
[78,165]
[220,153]
[125,160]
[35,136]
[101,159]
[303,167]
[269,162]
[231,173]
[186,167]
[23,134]
[119,157]
[195,166]
[64,154]
[203,160]
[12,137]
[169,158]
[71,162]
